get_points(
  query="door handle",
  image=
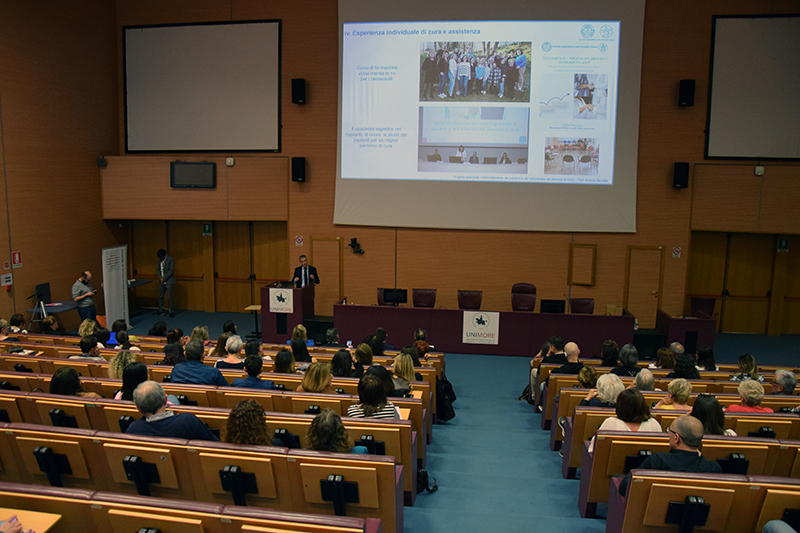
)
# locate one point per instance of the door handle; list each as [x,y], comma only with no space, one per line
[655,293]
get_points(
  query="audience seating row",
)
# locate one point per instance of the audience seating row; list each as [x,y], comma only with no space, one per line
[278,478]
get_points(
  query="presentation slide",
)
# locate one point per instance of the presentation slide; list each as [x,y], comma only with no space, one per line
[521,101]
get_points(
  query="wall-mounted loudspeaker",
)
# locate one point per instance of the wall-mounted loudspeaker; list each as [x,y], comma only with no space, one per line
[681,178]
[298,91]
[299,169]
[686,93]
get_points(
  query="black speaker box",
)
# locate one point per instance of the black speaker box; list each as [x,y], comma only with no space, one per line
[298,91]
[299,169]
[685,95]
[681,178]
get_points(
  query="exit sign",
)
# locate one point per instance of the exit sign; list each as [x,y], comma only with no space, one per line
[783,246]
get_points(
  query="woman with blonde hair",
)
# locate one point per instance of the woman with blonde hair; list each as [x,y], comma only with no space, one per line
[200,333]
[247,425]
[748,368]
[678,393]
[751,393]
[117,364]
[87,328]
[317,378]
[299,332]
[219,350]
[403,373]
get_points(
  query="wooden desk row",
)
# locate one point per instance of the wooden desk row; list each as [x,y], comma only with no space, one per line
[105,512]
[282,479]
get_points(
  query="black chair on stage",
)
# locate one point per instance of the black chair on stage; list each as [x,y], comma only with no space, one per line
[423,297]
[523,297]
[380,297]
[469,299]
[581,306]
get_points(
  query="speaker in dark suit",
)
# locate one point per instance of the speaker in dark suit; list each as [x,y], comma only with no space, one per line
[305,274]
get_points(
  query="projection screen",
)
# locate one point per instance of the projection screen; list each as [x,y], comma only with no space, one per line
[554,149]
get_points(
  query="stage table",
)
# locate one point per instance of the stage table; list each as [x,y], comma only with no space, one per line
[520,333]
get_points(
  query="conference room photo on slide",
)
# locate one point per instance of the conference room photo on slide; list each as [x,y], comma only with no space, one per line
[514,101]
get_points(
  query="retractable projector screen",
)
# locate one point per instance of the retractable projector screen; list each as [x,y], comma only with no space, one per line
[528,122]
[203,87]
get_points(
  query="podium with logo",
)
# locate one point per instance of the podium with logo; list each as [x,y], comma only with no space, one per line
[282,308]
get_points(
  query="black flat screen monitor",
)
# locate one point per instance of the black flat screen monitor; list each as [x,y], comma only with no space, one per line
[395,296]
[553,306]
[43,292]
[199,175]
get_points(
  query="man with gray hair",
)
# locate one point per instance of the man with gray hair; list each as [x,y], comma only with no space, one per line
[676,348]
[784,382]
[193,371]
[685,437]
[644,380]
[157,421]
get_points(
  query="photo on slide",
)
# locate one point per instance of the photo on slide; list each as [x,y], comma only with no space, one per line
[571,156]
[474,138]
[590,95]
[479,71]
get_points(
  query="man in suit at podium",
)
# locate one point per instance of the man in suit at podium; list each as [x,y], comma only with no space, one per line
[305,274]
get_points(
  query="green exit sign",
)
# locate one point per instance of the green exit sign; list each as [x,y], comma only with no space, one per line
[783,245]
[207,230]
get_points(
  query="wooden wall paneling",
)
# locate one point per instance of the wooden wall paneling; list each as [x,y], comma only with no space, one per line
[270,253]
[791,304]
[258,188]
[137,187]
[779,197]
[232,266]
[645,279]
[749,278]
[777,301]
[186,245]
[326,254]
[582,260]
[6,297]
[376,266]
[147,237]
[725,198]
[706,276]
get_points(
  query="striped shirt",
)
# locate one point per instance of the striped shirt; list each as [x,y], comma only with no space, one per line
[388,411]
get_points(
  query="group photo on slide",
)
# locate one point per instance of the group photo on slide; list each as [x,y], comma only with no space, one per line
[480,71]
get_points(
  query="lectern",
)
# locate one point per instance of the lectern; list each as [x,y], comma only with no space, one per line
[282,308]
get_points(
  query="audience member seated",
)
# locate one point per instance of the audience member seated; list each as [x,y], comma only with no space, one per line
[784,382]
[11,525]
[229,327]
[332,338]
[527,393]
[119,325]
[124,342]
[423,348]
[254,347]
[375,346]
[678,393]
[300,333]
[342,365]
[300,351]
[644,381]
[103,336]
[556,353]
[87,328]
[219,350]
[133,375]
[157,421]
[176,336]
[609,356]
[748,369]
[664,359]
[50,326]
[232,361]
[632,415]
[328,434]
[363,357]
[572,366]
[247,425]
[677,348]
[200,333]
[65,381]
[751,393]
[420,335]
[684,368]
[403,373]
[778,526]
[253,365]
[118,363]
[708,411]
[605,395]
[90,350]
[317,378]
[629,358]
[159,329]
[284,362]
[173,354]
[16,324]
[380,336]
[685,437]
[386,378]
[587,377]
[193,371]
[705,359]
[372,400]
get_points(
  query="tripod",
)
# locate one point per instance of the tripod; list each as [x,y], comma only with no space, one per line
[38,310]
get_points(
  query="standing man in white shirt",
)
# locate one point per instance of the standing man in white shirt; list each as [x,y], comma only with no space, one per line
[305,274]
